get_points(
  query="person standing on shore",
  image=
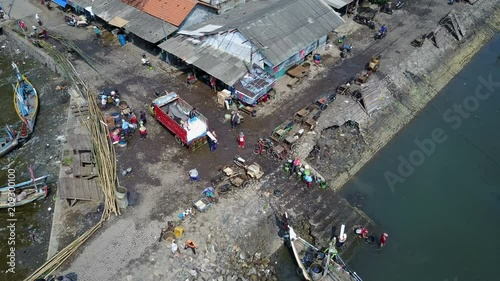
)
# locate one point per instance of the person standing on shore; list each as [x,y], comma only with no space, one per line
[143,132]
[97,32]
[125,127]
[190,244]
[142,117]
[212,141]
[241,140]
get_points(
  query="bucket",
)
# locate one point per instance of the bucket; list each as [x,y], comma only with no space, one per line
[178,231]
[168,237]
[121,197]
[316,271]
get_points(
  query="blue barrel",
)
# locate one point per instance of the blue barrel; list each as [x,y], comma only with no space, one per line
[117,118]
[121,37]
[317,57]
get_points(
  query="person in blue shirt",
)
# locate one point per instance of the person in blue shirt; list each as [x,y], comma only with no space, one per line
[125,127]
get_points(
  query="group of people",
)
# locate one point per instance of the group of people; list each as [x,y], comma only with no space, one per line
[188,245]
[126,127]
[303,172]
[363,233]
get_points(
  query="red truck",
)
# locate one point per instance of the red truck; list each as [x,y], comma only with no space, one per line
[190,128]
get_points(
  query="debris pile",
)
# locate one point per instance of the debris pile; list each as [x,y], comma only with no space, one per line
[337,149]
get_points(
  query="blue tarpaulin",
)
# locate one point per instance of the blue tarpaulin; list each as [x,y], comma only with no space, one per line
[61,3]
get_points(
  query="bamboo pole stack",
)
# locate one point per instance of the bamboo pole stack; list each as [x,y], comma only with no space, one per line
[105,156]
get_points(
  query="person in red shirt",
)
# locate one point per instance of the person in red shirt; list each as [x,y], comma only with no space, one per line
[241,140]
[383,239]
[133,120]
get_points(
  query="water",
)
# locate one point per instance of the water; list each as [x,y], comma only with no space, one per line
[442,220]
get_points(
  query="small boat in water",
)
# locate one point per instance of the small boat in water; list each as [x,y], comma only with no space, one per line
[25,103]
[9,142]
[315,265]
[19,197]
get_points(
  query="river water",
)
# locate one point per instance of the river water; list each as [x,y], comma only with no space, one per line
[442,207]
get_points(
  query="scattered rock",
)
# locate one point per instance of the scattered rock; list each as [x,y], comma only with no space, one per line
[193,272]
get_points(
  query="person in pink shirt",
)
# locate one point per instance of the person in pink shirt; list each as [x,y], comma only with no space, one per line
[383,240]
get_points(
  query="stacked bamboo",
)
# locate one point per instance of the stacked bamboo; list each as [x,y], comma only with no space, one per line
[105,159]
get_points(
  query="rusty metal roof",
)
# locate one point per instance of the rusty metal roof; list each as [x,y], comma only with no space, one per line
[171,11]
[278,28]
[145,26]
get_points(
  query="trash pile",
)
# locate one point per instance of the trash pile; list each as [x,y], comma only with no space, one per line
[337,149]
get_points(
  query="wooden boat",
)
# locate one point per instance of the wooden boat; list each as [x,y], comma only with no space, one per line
[27,184]
[317,265]
[25,103]
[9,199]
[8,143]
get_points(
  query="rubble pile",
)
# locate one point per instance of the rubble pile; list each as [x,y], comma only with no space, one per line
[337,149]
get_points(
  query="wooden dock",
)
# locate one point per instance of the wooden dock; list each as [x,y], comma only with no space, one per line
[74,189]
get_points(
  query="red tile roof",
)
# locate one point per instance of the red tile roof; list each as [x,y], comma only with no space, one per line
[171,11]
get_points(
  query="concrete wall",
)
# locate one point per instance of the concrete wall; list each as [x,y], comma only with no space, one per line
[35,52]
[198,14]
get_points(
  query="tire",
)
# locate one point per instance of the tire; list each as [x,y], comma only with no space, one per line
[256,150]
[292,147]
[178,140]
[245,184]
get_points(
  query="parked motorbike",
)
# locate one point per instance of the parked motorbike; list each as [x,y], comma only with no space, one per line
[111,97]
[386,8]
[399,5]
[70,21]
[382,32]
[364,21]
[47,4]
[344,49]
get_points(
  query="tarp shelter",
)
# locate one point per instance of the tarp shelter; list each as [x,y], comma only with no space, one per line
[61,3]
[118,22]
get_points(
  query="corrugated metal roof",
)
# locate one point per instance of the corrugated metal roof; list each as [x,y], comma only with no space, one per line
[279,28]
[337,4]
[222,65]
[141,24]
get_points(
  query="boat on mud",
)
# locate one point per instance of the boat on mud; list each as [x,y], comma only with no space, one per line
[25,103]
[9,142]
[19,197]
[317,265]
[27,184]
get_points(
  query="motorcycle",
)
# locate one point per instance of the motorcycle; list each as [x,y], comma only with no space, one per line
[382,32]
[70,21]
[399,5]
[111,97]
[344,49]
[364,21]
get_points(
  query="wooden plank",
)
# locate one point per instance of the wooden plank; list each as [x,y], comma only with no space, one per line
[79,189]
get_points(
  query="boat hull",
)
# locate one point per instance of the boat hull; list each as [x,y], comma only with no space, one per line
[10,143]
[8,200]
[25,102]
